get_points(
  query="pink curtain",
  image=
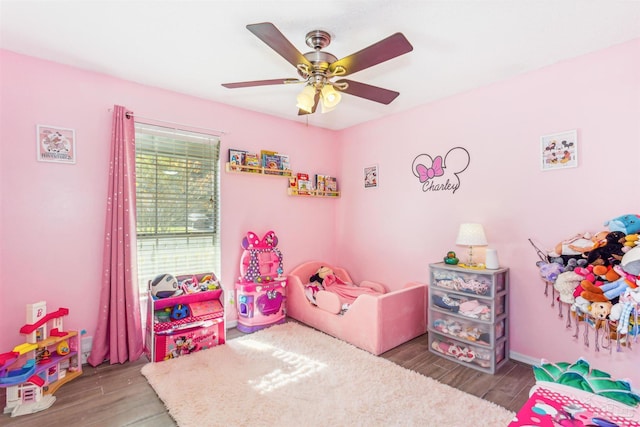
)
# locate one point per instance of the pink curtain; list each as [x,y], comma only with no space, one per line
[118,336]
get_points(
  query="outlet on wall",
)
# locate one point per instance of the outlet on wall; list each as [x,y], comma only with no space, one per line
[85,348]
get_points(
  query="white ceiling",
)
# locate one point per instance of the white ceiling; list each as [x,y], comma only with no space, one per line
[192,47]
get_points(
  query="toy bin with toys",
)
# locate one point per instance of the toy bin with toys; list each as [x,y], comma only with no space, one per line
[185,315]
[261,289]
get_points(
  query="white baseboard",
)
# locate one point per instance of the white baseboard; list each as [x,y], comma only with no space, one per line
[524,358]
[231,324]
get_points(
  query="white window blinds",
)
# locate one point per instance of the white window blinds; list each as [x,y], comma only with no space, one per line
[177,202]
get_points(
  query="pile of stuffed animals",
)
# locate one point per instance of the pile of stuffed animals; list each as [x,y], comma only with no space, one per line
[598,275]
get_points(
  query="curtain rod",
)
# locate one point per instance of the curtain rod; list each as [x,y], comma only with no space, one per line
[130,114]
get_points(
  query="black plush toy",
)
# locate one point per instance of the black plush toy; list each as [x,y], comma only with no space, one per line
[320,275]
[610,253]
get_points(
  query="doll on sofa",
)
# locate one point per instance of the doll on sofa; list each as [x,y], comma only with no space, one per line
[326,280]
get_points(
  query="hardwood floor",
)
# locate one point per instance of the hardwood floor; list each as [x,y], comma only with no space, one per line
[118,395]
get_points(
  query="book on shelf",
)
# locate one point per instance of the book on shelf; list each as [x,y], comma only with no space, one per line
[293,182]
[236,158]
[284,161]
[304,185]
[271,164]
[331,184]
[320,183]
[252,160]
[264,154]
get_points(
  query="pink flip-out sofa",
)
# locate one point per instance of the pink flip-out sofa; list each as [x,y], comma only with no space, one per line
[375,323]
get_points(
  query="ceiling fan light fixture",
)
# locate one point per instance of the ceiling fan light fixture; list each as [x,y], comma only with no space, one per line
[317,67]
[306,98]
[330,96]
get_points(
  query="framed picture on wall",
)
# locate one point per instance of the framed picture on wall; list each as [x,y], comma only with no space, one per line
[559,150]
[371,176]
[55,144]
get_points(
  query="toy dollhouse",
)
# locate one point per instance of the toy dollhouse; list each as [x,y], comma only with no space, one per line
[260,291]
[49,358]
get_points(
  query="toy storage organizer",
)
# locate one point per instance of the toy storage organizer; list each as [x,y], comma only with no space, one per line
[468,316]
[184,324]
[261,289]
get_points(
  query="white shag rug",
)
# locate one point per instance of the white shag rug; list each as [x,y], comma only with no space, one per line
[292,375]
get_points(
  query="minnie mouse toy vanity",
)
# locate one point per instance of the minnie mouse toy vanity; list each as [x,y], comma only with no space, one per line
[260,291]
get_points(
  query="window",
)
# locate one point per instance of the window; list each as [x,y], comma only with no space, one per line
[177,202]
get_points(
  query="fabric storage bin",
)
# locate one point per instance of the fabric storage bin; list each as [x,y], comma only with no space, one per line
[173,343]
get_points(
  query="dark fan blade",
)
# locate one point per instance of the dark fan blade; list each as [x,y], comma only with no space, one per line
[372,93]
[316,100]
[394,45]
[268,33]
[261,83]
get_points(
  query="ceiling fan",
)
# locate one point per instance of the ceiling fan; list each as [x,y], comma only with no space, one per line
[318,68]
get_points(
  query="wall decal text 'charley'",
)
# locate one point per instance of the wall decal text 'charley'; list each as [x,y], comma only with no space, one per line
[441,174]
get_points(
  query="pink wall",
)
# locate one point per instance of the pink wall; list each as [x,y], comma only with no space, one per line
[52,216]
[395,231]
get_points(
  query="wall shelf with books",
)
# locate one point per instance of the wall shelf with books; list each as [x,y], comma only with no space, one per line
[233,168]
[265,163]
[320,186]
[271,163]
[313,193]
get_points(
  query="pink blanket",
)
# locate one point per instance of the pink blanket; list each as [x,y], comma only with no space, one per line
[347,292]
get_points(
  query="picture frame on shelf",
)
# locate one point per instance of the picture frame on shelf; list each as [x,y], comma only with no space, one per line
[371,176]
[55,144]
[559,150]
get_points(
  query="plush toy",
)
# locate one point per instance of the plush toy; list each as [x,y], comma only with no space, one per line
[592,292]
[606,273]
[587,276]
[565,285]
[630,241]
[320,275]
[579,245]
[630,262]
[550,271]
[610,252]
[576,245]
[629,300]
[571,262]
[628,224]
[581,305]
[311,289]
[586,273]
[614,289]
[600,310]
[616,312]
